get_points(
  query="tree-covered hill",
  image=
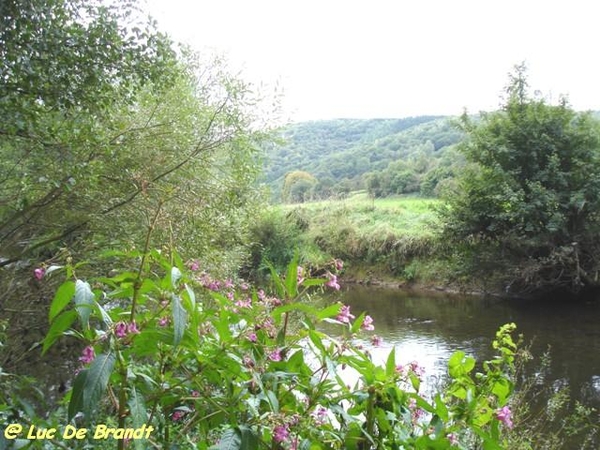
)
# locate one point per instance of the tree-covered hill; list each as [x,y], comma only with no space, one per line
[345,154]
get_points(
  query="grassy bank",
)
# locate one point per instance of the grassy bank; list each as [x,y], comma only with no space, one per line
[391,239]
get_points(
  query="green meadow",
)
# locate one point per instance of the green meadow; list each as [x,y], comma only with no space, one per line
[391,237]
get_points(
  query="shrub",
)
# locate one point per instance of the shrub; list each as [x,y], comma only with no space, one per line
[210,364]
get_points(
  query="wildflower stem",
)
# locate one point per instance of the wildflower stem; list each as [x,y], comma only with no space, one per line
[138,282]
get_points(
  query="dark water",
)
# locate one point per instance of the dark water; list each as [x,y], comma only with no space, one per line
[429,328]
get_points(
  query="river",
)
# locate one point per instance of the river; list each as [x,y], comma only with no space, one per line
[428,328]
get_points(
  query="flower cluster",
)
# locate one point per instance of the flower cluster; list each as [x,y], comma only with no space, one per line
[87,355]
[344,315]
[504,415]
[122,329]
[332,282]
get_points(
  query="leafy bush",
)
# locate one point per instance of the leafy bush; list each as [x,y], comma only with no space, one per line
[529,196]
[210,364]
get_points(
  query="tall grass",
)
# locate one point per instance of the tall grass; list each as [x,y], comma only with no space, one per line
[389,233]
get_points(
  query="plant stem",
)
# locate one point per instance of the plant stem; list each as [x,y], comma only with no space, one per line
[138,282]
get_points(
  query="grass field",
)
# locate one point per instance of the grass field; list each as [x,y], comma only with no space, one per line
[413,216]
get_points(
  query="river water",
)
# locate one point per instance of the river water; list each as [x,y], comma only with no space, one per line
[429,328]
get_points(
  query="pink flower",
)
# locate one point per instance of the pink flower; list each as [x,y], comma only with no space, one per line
[39,273]
[332,283]
[418,370]
[452,438]
[121,329]
[244,303]
[280,433]
[368,324]
[244,287]
[132,328]
[261,294]
[504,415]
[275,355]
[320,415]
[194,265]
[376,341]
[252,337]
[177,415]
[228,284]
[344,315]
[163,321]
[248,362]
[339,264]
[214,285]
[275,301]
[88,355]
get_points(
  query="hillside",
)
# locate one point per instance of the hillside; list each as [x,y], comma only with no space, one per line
[342,154]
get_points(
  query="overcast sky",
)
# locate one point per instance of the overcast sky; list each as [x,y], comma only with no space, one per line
[386,58]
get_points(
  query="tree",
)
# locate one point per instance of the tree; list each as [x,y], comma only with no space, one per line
[296,185]
[104,124]
[531,192]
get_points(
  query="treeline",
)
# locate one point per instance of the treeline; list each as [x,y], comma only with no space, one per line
[328,159]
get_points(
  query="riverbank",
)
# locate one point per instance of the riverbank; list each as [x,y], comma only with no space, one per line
[390,242]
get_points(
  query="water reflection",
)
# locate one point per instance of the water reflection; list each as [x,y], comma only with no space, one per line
[429,328]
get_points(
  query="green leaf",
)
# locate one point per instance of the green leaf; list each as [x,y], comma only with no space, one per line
[314,282]
[175,277]
[84,302]
[489,443]
[76,402]
[279,286]
[459,364]
[96,381]
[390,365]
[291,279]
[179,319]
[307,309]
[102,313]
[502,389]
[249,438]
[315,338]
[230,440]
[192,297]
[357,323]
[58,327]
[440,408]
[63,296]
[139,416]
[330,311]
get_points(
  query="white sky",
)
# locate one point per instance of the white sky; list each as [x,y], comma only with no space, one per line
[386,58]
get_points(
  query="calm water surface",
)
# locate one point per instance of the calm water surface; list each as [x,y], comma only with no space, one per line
[429,328]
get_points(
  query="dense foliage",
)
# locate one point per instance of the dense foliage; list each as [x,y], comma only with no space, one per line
[530,197]
[113,137]
[199,362]
[109,129]
[104,126]
[385,156]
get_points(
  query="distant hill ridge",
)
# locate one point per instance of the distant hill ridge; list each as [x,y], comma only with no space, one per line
[346,149]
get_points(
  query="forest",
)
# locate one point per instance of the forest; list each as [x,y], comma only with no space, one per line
[170,255]
[385,156]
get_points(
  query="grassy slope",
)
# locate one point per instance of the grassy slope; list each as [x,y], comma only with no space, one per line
[391,238]
[402,215]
